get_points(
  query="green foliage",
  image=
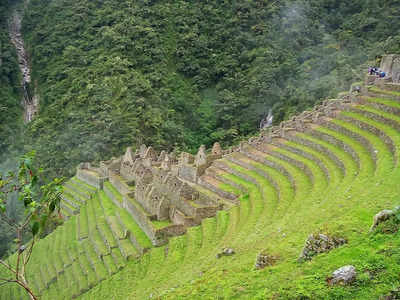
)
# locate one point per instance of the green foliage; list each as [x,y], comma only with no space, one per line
[10,108]
[180,74]
[40,202]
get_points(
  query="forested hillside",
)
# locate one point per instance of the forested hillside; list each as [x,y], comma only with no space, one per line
[178,74]
[11,112]
[10,102]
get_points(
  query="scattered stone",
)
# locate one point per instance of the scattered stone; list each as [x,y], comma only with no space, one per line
[343,276]
[319,243]
[264,260]
[383,216]
[225,252]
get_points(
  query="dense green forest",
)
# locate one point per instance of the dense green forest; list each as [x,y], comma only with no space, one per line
[10,100]
[178,74]
[10,116]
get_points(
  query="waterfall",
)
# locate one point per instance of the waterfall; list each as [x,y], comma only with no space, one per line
[30,100]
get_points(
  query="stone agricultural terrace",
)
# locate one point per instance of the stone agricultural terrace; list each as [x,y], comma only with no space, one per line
[163,209]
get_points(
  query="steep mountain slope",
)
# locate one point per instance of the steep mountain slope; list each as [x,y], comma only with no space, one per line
[327,171]
[183,73]
[10,95]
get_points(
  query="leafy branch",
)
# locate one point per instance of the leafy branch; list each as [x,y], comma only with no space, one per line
[41,204]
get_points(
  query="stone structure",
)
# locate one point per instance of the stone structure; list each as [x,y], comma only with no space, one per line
[180,191]
[158,188]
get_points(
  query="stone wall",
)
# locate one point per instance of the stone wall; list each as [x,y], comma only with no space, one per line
[390,64]
[90,175]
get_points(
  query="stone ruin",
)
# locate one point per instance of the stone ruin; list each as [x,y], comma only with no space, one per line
[158,188]
[161,187]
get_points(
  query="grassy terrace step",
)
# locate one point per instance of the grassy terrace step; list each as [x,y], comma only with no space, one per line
[384,132]
[382,154]
[120,184]
[248,163]
[387,122]
[136,234]
[113,194]
[273,152]
[83,185]
[212,184]
[217,173]
[96,263]
[78,188]
[74,197]
[392,86]
[309,155]
[376,90]
[66,211]
[83,225]
[388,105]
[366,163]
[263,196]
[70,199]
[259,157]
[337,126]
[336,172]
[383,95]
[285,187]
[311,168]
[227,203]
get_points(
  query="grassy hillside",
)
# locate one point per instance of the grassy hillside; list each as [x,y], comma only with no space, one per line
[178,74]
[331,179]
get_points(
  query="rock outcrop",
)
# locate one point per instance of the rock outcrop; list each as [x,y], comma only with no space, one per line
[343,276]
[383,216]
[319,243]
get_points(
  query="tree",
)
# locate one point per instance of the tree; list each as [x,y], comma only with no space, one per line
[41,203]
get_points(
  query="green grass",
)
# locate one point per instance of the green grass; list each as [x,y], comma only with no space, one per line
[384,157]
[114,191]
[380,91]
[384,101]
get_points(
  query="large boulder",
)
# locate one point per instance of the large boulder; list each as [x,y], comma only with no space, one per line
[383,216]
[343,276]
[390,64]
[319,243]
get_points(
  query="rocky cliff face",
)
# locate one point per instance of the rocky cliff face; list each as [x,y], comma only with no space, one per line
[30,99]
